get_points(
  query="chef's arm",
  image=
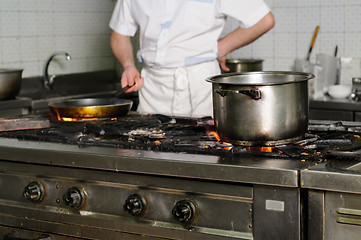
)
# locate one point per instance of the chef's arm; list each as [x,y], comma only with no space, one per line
[243,36]
[123,51]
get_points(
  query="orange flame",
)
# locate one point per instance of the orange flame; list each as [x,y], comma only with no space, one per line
[215,134]
[227,148]
[218,138]
[70,119]
[260,149]
[267,149]
[66,119]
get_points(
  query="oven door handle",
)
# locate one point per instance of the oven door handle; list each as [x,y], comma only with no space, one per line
[9,237]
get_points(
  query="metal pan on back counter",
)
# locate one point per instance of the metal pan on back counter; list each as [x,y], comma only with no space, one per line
[91,108]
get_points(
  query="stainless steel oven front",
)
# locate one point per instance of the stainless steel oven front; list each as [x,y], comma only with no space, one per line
[55,202]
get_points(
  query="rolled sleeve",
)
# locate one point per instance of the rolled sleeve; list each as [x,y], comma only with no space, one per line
[246,12]
[122,21]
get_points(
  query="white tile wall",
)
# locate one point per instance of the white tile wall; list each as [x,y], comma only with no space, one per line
[339,21]
[285,26]
[31,30]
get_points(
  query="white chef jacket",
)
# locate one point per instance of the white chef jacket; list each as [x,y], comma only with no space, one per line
[178,45]
[175,33]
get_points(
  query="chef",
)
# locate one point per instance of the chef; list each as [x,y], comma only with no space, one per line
[180,48]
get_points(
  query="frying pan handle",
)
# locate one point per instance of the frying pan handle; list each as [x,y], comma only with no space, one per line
[123,90]
[253,93]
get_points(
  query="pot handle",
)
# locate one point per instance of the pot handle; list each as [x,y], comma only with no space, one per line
[253,93]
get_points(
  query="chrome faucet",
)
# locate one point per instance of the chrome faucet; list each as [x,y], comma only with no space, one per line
[49,80]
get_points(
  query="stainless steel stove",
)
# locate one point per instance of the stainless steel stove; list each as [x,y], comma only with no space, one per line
[163,179]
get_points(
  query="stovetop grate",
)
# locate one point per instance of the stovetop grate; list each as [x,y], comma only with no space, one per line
[166,134]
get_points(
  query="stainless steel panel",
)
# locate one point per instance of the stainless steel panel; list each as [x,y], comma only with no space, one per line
[16,233]
[222,209]
[316,220]
[277,213]
[23,234]
[322,177]
[269,171]
[342,216]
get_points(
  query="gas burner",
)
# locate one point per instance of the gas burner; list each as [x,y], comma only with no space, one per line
[196,136]
[339,126]
[224,145]
[64,119]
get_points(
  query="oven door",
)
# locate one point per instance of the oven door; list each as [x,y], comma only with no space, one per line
[9,233]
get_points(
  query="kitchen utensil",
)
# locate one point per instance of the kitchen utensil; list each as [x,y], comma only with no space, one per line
[244,65]
[10,83]
[94,107]
[356,88]
[123,90]
[302,65]
[339,91]
[356,83]
[345,71]
[328,74]
[91,108]
[312,42]
[261,108]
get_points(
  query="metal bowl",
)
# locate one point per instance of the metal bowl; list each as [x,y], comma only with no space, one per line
[244,65]
[10,83]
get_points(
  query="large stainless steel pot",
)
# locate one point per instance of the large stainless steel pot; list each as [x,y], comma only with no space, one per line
[261,108]
[10,83]
[244,65]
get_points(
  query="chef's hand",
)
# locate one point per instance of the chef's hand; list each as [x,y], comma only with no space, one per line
[131,78]
[222,63]
[222,55]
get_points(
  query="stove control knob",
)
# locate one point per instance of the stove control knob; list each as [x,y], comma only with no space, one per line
[184,211]
[136,205]
[34,192]
[74,197]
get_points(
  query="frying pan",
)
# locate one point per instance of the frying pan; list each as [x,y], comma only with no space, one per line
[91,107]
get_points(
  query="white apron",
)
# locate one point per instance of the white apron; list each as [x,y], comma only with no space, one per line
[178,92]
